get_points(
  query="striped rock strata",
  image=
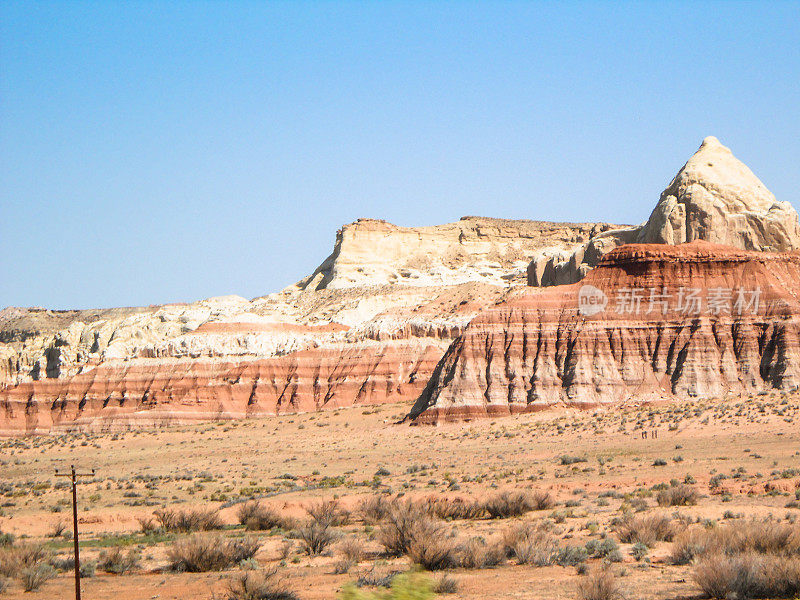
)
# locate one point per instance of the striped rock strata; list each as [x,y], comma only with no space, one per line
[367,327]
[649,322]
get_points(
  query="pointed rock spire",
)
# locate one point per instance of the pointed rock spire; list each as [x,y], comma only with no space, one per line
[715,197]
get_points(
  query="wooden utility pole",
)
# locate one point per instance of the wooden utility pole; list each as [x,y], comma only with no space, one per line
[74,476]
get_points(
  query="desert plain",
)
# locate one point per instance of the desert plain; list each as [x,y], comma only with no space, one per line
[594,478]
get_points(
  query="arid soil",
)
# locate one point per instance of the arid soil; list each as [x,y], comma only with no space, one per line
[739,454]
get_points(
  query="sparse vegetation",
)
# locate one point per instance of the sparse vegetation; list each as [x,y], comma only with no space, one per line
[316,536]
[187,521]
[646,529]
[748,575]
[118,562]
[258,585]
[199,553]
[257,517]
[599,585]
[34,576]
[679,495]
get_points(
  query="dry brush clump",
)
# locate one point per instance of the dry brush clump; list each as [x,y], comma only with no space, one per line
[599,585]
[199,553]
[679,495]
[759,537]
[531,544]
[645,529]
[477,553]
[352,549]
[21,561]
[748,575]
[188,521]
[118,562]
[744,559]
[450,509]
[504,505]
[374,509]
[34,576]
[316,537]
[258,585]
[257,517]
[328,513]
[399,524]
[431,546]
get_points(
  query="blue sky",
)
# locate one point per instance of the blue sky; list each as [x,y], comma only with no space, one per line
[160,152]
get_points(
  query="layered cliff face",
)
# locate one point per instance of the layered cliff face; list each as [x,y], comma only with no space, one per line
[343,336]
[495,251]
[649,322]
[230,358]
[714,197]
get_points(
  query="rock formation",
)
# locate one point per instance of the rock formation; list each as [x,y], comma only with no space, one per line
[496,251]
[649,322]
[714,197]
[368,326]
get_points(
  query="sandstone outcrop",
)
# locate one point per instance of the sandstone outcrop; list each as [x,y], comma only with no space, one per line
[496,251]
[369,326]
[649,322]
[230,359]
[714,197]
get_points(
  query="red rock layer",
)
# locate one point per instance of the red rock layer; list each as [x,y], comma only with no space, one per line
[159,391]
[537,349]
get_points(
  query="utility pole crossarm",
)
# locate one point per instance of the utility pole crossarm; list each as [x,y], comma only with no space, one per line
[73,475]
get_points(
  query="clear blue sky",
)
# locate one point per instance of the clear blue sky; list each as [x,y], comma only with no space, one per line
[157,152]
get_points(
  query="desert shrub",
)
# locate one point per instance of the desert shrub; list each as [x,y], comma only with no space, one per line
[399,523]
[748,575]
[606,548]
[599,585]
[542,500]
[690,544]
[352,549]
[639,551]
[570,556]
[412,586]
[445,585]
[328,513]
[646,529]
[375,578]
[454,508]
[6,539]
[14,559]
[200,553]
[258,585]
[343,565]
[147,524]
[508,504]
[57,529]
[566,460]
[34,576]
[737,537]
[530,545]
[187,521]
[118,562]
[257,517]
[374,508]
[316,537]
[431,547]
[88,567]
[241,549]
[679,495]
[477,553]
[3,584]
